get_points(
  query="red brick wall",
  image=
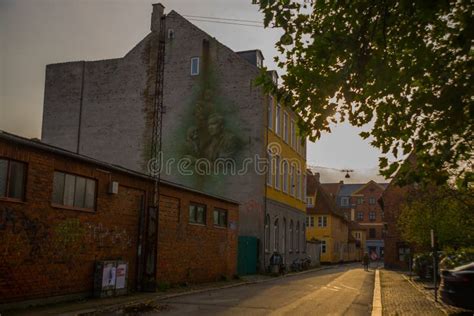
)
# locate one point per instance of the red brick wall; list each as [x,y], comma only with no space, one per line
[393,200]
[48,251]
[370,191]
[193,252]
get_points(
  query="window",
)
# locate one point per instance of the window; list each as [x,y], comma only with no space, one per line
[311,221]
[291,236]
[74,191]
[292,181]
[298,236]
[372,201]
[360,216]
[372,216]
[357,235]
[270,167]
[403,253]
[12,179]
[194,66]
[372,233]
[285,127]
[285,176]
[307,221]
[344,201]
[360,201]
[309,201]
[292,134]
[298,185]
[322,221]
[275,235]
[277,172]
[197,214]
[220,217]
[258,60]
[277,119]
[267,233]
[270,113]
[170,33]
[323,246]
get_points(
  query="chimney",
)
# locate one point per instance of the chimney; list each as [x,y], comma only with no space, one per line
[317,176]
[156,16]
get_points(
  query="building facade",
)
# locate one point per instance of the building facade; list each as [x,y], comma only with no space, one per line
[325,223]
[359,203]
[215,124]
[61,212]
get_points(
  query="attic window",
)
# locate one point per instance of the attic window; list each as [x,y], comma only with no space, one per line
[170,33]
[259,60]
[194,66]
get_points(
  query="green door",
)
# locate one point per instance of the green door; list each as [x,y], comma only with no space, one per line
[247,255]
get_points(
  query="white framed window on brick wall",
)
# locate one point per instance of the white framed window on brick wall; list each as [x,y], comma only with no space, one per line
[197,213]
[73,191]
[220,217]
[194,66]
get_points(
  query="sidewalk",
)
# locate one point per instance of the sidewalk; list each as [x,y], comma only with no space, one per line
[400,297]
[94,306]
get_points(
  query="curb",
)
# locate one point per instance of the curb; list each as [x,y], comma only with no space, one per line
[197,291]
[427,296]
[377,299]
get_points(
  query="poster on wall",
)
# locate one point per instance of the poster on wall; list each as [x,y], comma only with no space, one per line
[121,276]
[108,276]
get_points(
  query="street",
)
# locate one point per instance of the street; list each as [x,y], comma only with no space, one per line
[340,290]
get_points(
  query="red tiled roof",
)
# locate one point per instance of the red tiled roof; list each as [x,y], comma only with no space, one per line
[324,204]
[332,188]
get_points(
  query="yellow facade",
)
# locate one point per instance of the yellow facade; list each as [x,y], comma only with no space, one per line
[334,237]
[286,182]
[360,236]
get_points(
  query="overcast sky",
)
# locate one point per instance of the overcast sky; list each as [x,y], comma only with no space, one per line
[34,33]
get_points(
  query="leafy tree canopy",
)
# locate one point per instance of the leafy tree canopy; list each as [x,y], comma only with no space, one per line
[449,212]
[403,68]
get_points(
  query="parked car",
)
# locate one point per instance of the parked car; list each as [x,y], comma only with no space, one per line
[457,286]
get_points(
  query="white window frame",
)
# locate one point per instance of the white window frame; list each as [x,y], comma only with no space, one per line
[285,176]
[323,246]
[197,67]
[345,201]
[293,134]
[322,221]
[277,119]
[277,172]
[285,126]
[310,201]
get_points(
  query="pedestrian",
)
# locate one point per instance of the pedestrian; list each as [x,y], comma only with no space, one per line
[365,261]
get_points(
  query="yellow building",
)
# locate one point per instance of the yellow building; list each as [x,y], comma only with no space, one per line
[359,234]
[285,206]
[326,224]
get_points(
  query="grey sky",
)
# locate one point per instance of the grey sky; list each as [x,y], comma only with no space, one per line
[34,33]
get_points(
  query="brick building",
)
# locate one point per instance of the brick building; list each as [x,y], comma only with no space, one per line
[60,212]
[211,113]
[359,203]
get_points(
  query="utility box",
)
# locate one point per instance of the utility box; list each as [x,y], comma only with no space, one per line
[110,278]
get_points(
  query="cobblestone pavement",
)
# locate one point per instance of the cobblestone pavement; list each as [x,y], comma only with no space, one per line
[399,297]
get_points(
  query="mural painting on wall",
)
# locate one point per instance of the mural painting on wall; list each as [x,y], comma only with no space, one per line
[210,136]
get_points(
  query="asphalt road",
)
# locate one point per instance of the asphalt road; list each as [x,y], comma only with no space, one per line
[341,290]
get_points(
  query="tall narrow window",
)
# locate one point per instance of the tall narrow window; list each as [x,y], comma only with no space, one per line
[12,179]
[298,185]
[194,66]
[285,127]
[270,169]
[323,246]
[292,181]
[277,119]
[293,134]
[270,113]
[285,176]
[73,191]
[220,217]
[277,172]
